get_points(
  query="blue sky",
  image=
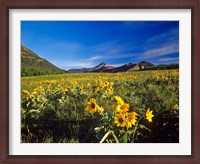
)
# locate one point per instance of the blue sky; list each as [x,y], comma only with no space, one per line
[78,44]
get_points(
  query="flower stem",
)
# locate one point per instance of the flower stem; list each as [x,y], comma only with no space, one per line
[136,128]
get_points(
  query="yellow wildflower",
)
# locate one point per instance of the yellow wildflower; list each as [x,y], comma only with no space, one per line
[120,120]
[82,87]
[100,109]
[28,95]
[93,107]
[149,115]
[25,92]
[123,108]
[101,88]
[131,119]
[119,100]
[176,107]
[35,91]
[106,83]
[109,90]
[111,83]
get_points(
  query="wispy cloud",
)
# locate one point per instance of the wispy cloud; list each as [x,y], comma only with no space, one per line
[169,59]
[103,52]
[161,45]
[114,47]
[94,58]
[78,63]
[69,64]
[169,36]
[161,51]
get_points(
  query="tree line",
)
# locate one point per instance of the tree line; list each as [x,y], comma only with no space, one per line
[37,72]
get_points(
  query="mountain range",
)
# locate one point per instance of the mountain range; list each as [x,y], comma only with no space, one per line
[33,65]
[103,67]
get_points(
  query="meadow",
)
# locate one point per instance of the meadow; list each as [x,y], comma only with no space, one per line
[128,107]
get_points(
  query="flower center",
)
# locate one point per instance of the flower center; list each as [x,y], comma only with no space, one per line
[122,107]
[93,105]
[120,120]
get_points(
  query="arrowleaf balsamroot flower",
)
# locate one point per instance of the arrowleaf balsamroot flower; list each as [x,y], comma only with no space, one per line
[100,109]
[131,119]
[119,100]
[176,107]
[120,120]
[93,107]
[149,115]
[28,95]
[123,108]
[109,90]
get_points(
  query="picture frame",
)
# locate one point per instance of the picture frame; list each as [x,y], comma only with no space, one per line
[7,5]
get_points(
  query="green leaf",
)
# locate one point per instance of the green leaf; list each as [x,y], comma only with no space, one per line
[125,138]
[23,111]
[122,131]
[34,111]
[27,105]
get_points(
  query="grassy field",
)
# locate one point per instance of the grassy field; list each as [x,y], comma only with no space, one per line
[131,107]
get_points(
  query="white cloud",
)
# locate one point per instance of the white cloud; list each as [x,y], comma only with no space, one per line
[161,51]
[94,58]
[161,45]
[114,48]
[73,64]
[170,36]
[169,59]
[78,63]
[118,65]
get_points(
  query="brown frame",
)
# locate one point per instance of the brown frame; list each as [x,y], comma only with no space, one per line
[5,5]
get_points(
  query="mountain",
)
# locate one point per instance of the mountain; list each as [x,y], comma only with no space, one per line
[32,64]
[103,67]
[124,68]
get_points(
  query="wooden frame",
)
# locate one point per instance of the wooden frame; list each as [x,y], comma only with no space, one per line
[194,5]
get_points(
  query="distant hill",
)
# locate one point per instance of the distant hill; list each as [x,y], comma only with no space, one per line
[33,65]
[103,67]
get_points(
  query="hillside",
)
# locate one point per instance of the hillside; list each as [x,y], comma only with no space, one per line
[32,64]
